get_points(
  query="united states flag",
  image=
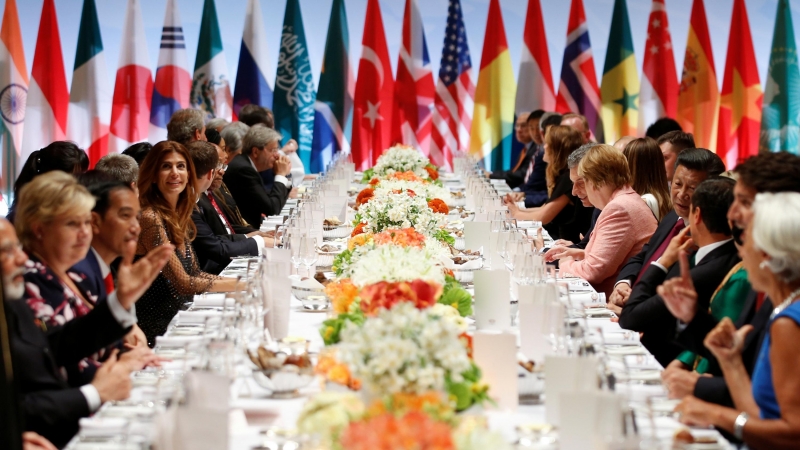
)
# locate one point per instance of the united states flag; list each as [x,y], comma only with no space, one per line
[455,93]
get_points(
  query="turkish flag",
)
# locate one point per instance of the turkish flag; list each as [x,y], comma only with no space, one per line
[373,102]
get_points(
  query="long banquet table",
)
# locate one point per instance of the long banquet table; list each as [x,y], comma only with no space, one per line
[252,411]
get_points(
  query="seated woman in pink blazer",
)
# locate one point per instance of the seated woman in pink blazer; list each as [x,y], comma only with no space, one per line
[624,225]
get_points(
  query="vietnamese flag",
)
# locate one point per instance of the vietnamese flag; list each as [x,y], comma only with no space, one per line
[698,94]
[740,106]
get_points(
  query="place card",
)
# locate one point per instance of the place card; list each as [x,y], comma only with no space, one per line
[476,235]
[589,420]
[566,374]
[533,300]
[336,207]
[496,355]
[278,255]
[492,300]
[277,301]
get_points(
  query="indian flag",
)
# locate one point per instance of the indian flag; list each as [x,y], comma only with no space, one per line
[211,91]
[13,94]
[90,96]
[619,90]
[493,117]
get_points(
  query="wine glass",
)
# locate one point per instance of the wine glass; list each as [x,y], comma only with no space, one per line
[308,253]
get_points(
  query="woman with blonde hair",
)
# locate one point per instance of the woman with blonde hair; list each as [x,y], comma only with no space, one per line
[563,215]
[167,195]
[648,175]
[625,223]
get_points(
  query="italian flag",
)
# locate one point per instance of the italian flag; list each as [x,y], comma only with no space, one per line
[48,98]
[13,92]
[90,96]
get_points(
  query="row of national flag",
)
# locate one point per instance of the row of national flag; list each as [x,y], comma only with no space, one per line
[441,116]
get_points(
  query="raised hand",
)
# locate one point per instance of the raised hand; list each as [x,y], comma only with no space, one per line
[134,279]
[679,294]
[290,147]
[681,242]
[282,166]
[726,342]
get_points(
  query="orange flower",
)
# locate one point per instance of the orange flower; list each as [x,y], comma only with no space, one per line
[401,403]
[432,172]
[358,229]
[405,176]
[342,294]
[364,196]
[449,272]
[423,294]
[438,206]
[373,182]
[403,237]
[357,241]
[467,340]
[413,431]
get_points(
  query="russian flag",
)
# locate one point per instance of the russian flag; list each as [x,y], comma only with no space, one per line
[251,83]
[173,82]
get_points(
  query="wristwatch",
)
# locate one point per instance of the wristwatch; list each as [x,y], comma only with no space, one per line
[739,423]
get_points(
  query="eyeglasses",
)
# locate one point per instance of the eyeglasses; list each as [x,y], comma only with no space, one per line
[222,167]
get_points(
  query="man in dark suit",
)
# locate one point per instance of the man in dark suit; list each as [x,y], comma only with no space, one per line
[531,143]
[770,172]
[216,242]
[692,167]
[49,406]
[259,152]
[716,254]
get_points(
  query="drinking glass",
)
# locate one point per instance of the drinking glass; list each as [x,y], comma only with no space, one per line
[308,253]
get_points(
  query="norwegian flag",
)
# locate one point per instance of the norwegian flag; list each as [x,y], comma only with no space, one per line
[413,89]
[455,93]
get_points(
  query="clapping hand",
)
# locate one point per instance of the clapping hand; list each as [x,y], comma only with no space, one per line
[133,279]
[679,294]
[726,342]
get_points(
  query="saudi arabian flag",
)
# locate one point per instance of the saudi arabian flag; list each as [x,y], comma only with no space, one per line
[211,91]
[619,90]
[293,98]
[780,126]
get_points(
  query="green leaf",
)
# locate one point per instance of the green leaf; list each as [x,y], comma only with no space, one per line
[456,296]
[444,236]
[368,174]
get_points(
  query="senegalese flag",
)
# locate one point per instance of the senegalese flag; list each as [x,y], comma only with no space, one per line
[780,121]
[740,105]
[334,101]
[698,95]
[493,116]
[619,90]
[293,99]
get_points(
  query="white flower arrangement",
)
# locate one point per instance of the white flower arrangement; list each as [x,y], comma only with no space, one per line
[404,350]
[426,190]
[401,158]
[392,263]
[392,210]
[328,413]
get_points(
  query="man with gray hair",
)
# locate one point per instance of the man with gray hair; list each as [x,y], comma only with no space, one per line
[233,135]
[186,125]
[562,248]
[259,153]
[120,167]
[217,123]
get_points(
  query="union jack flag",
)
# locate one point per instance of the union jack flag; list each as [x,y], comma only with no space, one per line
[455,93]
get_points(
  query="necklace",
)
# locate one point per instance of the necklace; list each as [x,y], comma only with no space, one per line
[784,304]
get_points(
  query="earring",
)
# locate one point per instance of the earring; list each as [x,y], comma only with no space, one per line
[763,265]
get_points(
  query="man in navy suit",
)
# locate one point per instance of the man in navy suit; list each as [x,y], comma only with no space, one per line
[115,223]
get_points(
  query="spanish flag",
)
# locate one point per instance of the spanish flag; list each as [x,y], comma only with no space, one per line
[620,87]
[698,95]
[740,106]
[493,117]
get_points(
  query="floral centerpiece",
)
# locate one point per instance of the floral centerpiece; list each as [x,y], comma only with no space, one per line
[424,189]
[402,158]
[399,210]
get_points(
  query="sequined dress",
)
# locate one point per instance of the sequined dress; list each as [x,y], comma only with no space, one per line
[177,283]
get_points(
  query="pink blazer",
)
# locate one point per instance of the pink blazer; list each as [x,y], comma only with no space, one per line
[622,229]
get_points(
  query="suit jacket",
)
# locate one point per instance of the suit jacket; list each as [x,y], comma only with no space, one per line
[515,178]
[630,271]
[93,281]
[646,312]
[247,189]
[536,188]
[50,407]
[212,244]
[11,424]
[231,210]
[624,226]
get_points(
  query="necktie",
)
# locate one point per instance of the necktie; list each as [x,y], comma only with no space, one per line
[521,158]
[530,169]
[679,225]
[109,282]
[219,211]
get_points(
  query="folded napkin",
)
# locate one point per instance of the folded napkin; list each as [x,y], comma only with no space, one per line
[587,298]
[178,341]
[199,317]
[642,362]
[212,300]
[626,350]
[604,324]
[474,264]
[308,283]
[621,338]
[102,426]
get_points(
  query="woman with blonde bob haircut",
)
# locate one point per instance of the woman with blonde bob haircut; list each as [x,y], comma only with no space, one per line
[563,215]
[648,176]
[766,412]
[625,223]
[167,194]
